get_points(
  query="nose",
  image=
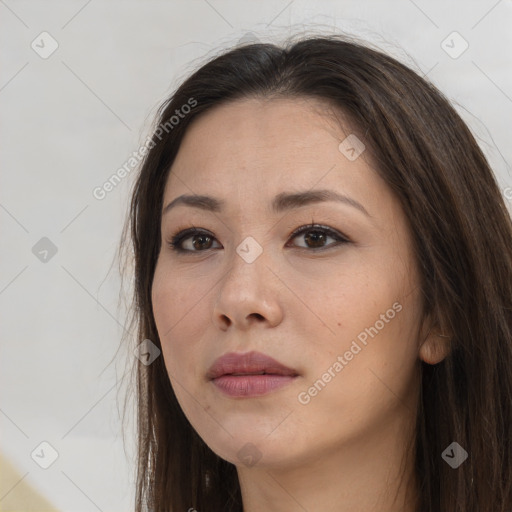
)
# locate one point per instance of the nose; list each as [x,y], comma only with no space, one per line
[248,295]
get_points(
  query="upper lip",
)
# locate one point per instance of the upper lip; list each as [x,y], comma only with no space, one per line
[248,363]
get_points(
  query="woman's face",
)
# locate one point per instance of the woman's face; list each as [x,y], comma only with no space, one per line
[341,316]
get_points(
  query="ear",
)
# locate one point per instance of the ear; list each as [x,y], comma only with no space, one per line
[435,345]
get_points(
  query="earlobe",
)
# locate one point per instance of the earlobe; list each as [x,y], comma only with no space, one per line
[436,343]
[435,348]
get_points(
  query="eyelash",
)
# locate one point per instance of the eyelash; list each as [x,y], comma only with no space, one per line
[180,236]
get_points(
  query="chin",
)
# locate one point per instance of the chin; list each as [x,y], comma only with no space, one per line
[251,447]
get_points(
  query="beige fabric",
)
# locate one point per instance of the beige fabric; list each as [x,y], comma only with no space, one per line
[22,497]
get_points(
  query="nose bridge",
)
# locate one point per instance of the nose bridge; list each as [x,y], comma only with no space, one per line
[244,289]
[248,263]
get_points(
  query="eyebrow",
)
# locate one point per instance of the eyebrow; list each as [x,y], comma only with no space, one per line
[281,203]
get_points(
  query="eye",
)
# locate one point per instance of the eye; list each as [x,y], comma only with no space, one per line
[200,240]
[316,235]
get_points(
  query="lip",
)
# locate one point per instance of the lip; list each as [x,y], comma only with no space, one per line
[249,374]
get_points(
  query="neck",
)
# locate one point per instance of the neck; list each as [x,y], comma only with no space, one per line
[373,474]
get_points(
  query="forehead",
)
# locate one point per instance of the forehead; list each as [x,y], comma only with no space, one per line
[256,130]
[254,148]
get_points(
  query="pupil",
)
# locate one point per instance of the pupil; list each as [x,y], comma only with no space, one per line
[199,237]
[319,237]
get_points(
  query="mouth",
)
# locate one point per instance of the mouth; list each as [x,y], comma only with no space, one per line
[251,385]
[249,374]
[254,373]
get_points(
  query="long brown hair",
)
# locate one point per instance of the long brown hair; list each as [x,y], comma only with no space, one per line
[462,235]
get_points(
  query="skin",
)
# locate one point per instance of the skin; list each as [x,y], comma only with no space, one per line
[345,449]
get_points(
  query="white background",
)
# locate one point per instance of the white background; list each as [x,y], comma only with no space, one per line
[69,121]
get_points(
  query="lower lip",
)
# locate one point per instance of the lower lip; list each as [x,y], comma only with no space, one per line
[251,385]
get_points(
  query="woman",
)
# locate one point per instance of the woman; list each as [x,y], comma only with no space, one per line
[324,259]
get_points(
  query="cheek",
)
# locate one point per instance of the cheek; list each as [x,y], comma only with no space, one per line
[176,311]
[344,305]
[372,316]
[376,379]
[172,301]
